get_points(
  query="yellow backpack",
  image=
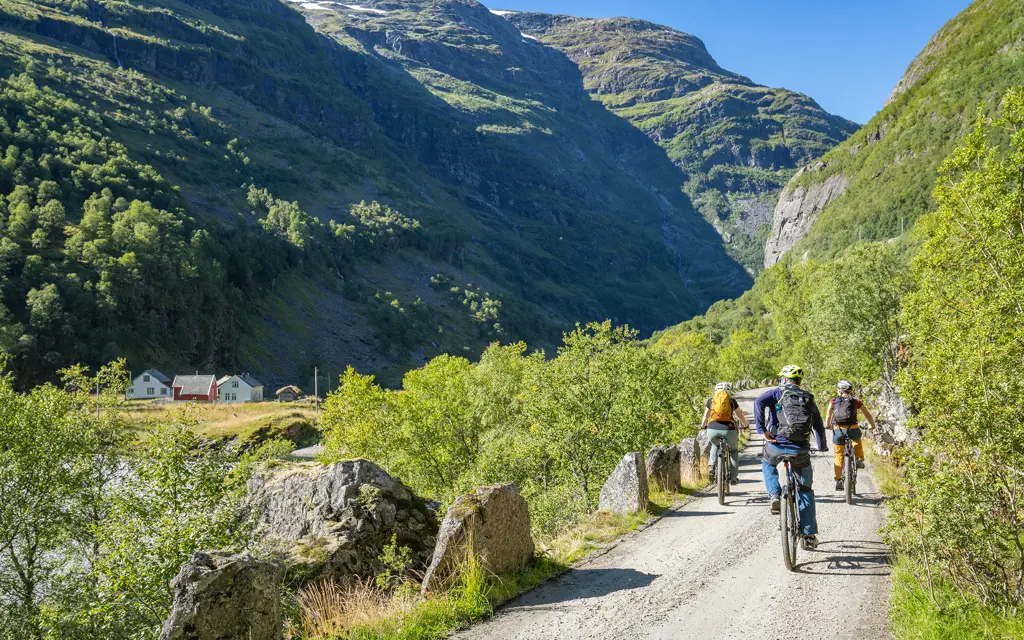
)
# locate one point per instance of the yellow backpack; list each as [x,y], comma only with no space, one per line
[721,407]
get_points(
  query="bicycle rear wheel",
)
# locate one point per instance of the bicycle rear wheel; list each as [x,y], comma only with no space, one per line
[722,476]
[849,475]
[789,525]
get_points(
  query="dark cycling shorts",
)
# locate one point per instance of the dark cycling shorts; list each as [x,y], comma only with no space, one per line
[773,453]
[840,434]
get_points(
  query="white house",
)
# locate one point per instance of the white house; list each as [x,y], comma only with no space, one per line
[151,384]
[240,388]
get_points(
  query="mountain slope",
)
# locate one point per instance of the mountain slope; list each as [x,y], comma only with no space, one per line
[876,184]
[736,142]
[512,204]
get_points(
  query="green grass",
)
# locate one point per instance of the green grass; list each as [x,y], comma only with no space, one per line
[915,616]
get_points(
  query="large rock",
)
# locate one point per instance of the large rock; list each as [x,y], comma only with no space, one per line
[491,523]
[689,460]
[626,490]
[334,521]
[797,210]
[704,444]
[663,467]
[219,596]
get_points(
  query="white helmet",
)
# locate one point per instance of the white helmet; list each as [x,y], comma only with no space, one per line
[844,385]
[723,386]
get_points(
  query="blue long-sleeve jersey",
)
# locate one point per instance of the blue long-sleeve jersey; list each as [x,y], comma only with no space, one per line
[768,400]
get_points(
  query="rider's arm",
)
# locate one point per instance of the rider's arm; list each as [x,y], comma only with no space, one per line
[766,400]
[743,418]
[867,414]
[704,420]
[818,425]
[828,416]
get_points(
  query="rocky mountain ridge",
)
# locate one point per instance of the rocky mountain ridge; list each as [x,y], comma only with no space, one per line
[874,185]
[736,142]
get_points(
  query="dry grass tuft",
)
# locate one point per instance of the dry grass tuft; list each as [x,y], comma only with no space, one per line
[331,610]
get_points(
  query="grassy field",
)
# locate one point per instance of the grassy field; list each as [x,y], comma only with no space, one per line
[250,422]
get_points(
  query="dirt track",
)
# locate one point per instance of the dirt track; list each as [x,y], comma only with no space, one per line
[707,571]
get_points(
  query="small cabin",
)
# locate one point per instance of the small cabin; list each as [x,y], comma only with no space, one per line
[291,393]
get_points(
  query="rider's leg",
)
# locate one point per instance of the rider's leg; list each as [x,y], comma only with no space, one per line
[858,446]
[715,437]
[839,448]
[733,438]
[769,471]
[805,501]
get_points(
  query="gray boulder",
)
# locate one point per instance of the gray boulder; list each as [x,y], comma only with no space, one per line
[334,521]
[663,467]
[491,523]
[219,596]
[689,460]
[704,444]
[626,490]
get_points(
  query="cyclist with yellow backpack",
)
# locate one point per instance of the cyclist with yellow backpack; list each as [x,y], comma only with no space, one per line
[719,413]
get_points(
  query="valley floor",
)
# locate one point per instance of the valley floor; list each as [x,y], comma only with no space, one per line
[706,571]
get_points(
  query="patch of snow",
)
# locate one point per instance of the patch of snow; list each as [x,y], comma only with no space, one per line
[501,13]
[527,36]
[316,6]
[359,7]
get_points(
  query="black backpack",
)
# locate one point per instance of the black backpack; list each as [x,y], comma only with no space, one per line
[794,413]
[844,411]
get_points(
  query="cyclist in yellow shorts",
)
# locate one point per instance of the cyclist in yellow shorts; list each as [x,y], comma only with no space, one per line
[841,417]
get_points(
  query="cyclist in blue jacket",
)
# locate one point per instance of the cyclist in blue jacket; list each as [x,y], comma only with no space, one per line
[792,415]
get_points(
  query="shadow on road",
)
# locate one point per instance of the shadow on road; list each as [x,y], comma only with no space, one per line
[847,557]
[588,583]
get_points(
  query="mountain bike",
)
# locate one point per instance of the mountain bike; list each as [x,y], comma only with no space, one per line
[849,470]
[789,515]
[723,471]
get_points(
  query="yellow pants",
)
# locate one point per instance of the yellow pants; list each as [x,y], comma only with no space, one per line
[858,450]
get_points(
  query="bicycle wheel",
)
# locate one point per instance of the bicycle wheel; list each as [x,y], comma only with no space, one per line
[849,475]
[727,459]
[721,476]
[789,526]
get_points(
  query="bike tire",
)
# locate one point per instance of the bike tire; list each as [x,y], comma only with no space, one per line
[788,524]
[721,478]
[850,478]
[727,459]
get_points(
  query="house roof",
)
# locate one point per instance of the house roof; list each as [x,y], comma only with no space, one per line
[194,385]
[251,381]
[244,377]
[297,391]
[153,373]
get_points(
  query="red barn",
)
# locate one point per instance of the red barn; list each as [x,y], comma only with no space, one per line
[196,388]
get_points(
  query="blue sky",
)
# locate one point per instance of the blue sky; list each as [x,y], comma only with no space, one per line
[846,55]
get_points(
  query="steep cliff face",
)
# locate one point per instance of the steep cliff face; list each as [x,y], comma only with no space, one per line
[737,143]
[874,185]
[796,212]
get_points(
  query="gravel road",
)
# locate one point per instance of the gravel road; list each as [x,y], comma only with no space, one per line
[706,571]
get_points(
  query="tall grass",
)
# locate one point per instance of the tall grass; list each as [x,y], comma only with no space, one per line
[916,616]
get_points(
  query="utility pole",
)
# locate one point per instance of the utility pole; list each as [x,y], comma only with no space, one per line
[316,388]
[97,396]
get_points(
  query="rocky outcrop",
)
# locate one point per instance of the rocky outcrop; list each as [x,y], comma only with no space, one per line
[704,444]
[219,596]
[335,520]
[491,524]
[626,489]
[797,210]
[689,461]
[663,467]
[891,417]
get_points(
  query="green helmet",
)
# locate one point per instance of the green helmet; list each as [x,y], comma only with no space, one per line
[792,371]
